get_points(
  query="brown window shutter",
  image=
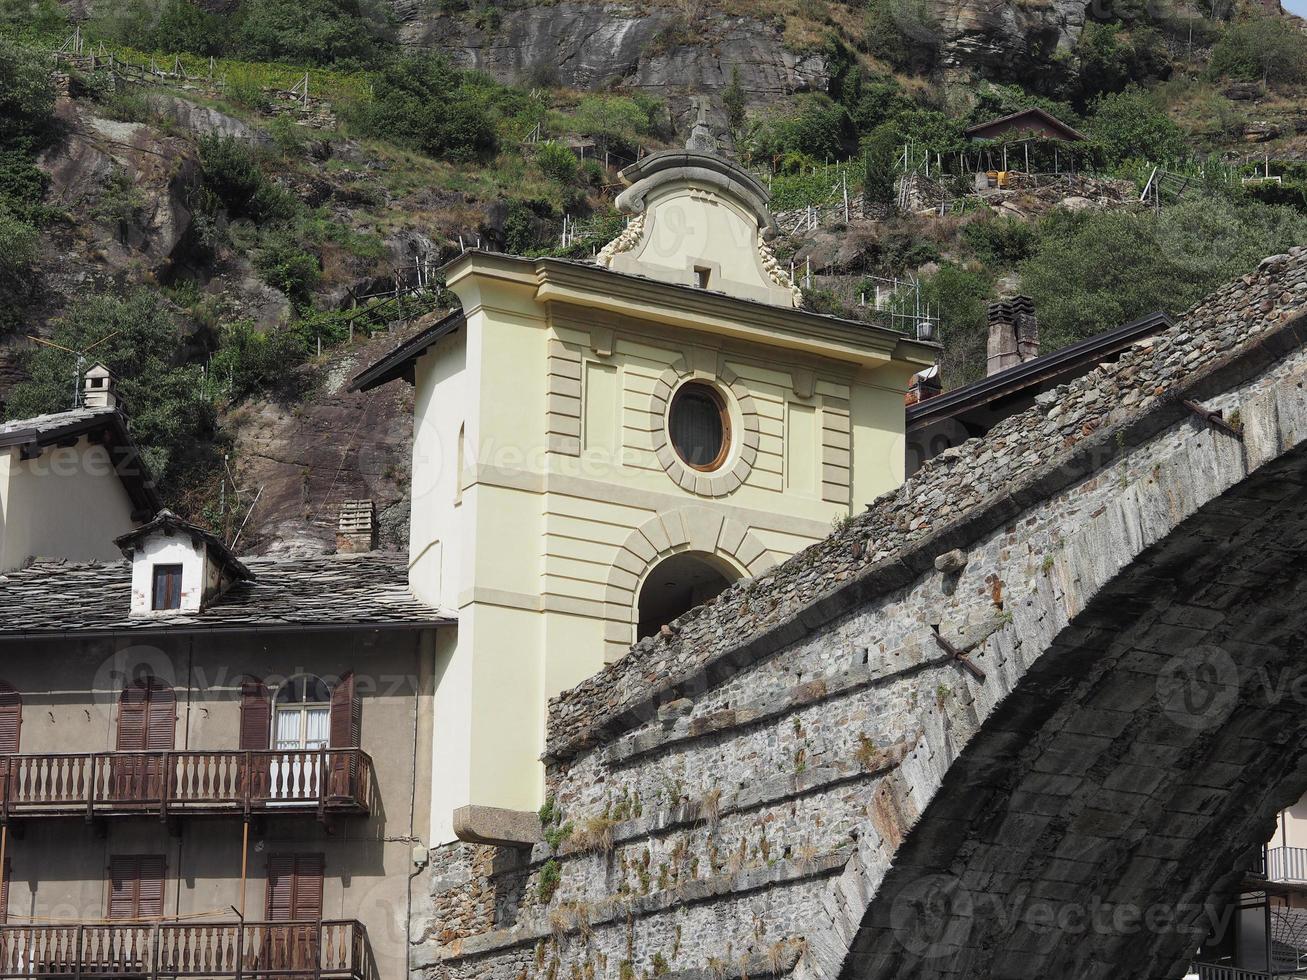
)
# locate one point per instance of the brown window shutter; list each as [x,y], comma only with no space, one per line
[256,716]
[346,713]
[161,719]
[281,887]
[11,718]
[294,887]
[136,886]
[150,892]
[132,708]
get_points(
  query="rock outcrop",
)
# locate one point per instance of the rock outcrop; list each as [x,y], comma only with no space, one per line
[589,45]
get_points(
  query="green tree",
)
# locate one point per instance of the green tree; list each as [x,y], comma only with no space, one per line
[172,421]
[1130,125]
[26,95]
[326,32]
[816,128]
[160,25]
[557,162]
[733,102]
[879,150]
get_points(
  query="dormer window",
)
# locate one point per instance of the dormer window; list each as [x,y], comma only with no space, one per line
[167,587]
[178,568]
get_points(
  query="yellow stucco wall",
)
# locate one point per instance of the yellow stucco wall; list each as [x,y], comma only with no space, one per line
[564,503]
[66,503]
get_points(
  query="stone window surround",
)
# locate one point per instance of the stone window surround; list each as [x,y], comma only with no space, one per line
[744,425]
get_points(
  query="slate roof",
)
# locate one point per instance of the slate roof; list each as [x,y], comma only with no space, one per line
[57,423]
[302,592]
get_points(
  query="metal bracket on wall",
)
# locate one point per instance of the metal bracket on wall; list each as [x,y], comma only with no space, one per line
[1215,419]
[961,656]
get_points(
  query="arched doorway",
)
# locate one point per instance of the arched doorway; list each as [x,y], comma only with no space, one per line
[679,583]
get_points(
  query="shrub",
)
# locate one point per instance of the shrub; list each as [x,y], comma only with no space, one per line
[424,104]
[256,361]
[230,170]
[557,162]
[18,242]
[1265,47]
[325,32]
[1129,124]
[160,25]
[1002,242]
[1108,59]
[529,226]
[288,267]
[816,127]
[878,153]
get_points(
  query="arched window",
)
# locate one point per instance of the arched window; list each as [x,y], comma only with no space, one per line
[302,714]
[677,584]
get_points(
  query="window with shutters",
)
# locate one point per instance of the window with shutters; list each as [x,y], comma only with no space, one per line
[136,886]
[303,714]
[147,723]
[294,887]
[167,587]
[11,719]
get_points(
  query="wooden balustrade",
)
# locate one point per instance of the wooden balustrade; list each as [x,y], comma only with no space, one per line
[225,781]
[335,950]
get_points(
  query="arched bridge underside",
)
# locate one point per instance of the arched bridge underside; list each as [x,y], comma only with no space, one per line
[1028,719]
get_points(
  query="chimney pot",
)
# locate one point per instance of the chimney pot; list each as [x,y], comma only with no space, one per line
[356,531]
[98,388]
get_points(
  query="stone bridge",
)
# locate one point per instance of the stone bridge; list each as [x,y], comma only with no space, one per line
[1028,717]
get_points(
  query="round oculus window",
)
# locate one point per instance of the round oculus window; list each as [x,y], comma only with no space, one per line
[700,426]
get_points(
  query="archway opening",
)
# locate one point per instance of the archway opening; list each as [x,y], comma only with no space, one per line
[677,584]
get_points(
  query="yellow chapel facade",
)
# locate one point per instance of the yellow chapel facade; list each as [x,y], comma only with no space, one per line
[599,446]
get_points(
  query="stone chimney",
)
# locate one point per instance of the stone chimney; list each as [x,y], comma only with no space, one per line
[98,388]
[1013,334]
[356,531]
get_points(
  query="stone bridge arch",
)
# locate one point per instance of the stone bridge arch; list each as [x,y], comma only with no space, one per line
[1026,687]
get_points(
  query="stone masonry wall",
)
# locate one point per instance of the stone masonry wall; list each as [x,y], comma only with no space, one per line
[720,793]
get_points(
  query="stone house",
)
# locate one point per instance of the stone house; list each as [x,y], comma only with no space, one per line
[212,767]
[71,481]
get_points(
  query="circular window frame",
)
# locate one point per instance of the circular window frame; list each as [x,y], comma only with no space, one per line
[696,386]
[742,445]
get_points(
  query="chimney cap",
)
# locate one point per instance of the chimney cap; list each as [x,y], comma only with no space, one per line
[98,387]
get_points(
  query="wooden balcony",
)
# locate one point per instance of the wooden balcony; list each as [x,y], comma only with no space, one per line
[336,950]
[175,784]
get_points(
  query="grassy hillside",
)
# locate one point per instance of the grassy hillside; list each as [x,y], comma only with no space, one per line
[236,237]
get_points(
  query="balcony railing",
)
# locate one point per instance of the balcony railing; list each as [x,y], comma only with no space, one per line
[177,783]
[336,950]
[1286,864]
[1210,971]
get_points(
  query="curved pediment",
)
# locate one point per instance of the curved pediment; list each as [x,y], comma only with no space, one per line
[697,219]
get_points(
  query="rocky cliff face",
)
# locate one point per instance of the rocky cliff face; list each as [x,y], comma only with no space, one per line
[678,51]
[1003,40]
[662,50]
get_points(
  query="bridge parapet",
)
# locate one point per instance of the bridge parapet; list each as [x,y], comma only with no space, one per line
[731,798]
